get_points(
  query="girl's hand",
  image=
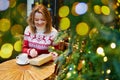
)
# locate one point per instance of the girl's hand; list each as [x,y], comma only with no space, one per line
[33,53]
[54,55]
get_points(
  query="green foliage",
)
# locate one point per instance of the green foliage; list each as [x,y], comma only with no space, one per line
[81,60]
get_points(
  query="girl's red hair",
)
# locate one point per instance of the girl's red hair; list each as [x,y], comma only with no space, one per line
[46,14]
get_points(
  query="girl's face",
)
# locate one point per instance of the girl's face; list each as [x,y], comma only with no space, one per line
[40,22]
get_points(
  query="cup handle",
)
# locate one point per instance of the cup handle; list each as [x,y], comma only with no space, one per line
[17,57]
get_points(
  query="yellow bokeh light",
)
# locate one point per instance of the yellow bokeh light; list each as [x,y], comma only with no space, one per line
[83,61]
[108,71]
[73,9]
[12,3]
[64,23]
[16,29]
[113,45]
[63,11]
[18,46]
[6,50]
[1,34]
[117,4]
[68,74]
[100,51]
[105,59]
[103,72]
[21,8]
[82,28]
[119,16]
[4,24]
[105,10]
[105,1]
[74,72]
[97,9]
[116,12]
[118,1]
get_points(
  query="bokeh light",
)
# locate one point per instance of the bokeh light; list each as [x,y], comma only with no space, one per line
[69,74]
[4,4]
[100,51]
[4,24]
[105,2]
[106,79]
[103,72]
[12,23]
[117,4]
[6,50]
[118,1]
[74,72]
[108,71]
[63,11]
[97,9]
[81,8]
[21,8]
[105,59]
[64,23]
[1,34]
[12,3]
[113,45]
[73,9]
[17,30]
[119,16]
[18,45]
[105,10]
[83,61]
[82,28]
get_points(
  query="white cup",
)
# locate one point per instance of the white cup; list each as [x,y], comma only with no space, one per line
[22,59]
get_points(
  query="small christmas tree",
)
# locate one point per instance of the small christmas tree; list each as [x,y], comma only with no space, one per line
[92,29]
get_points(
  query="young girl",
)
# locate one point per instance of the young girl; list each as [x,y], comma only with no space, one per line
[40,34]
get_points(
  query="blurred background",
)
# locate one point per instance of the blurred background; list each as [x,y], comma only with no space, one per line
[12,24]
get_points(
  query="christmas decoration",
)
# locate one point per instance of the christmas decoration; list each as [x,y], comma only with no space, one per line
[93,41]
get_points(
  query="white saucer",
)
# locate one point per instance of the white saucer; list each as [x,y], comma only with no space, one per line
[21,62]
